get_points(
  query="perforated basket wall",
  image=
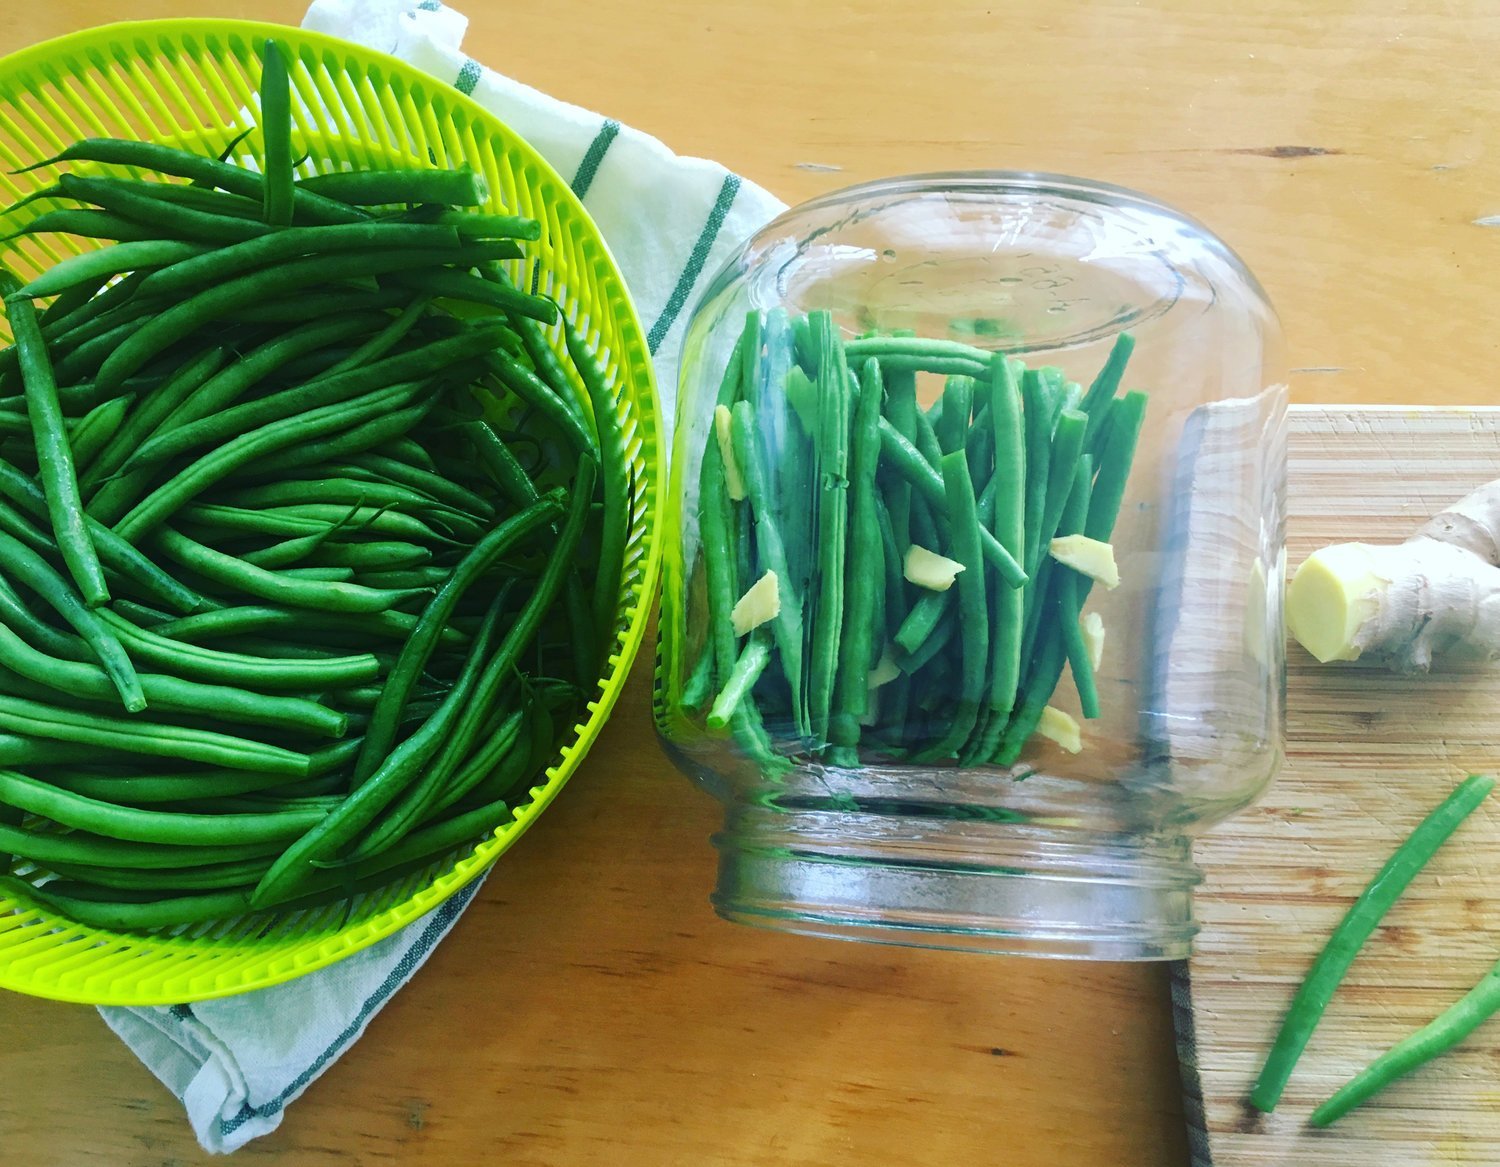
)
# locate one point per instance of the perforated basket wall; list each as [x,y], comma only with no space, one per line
[190,83]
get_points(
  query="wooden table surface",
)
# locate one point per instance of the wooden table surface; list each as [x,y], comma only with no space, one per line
[590,1008]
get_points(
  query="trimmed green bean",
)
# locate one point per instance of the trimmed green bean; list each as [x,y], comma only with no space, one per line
[54,457]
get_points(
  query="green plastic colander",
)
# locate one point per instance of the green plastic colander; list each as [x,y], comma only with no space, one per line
[191,83]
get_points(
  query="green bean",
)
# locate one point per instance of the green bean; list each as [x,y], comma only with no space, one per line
[1069,612]
[480,225]
[153,156]
[214,875]
[276,135]
[1007,605]
[973,607]
[309,518]
[315,305]
[1038,446]
[133,736]
[19,561]
[865,573]
[460,285]
[787,624]
[87,224]
[192,273]
[922,619]
[1345,943]
[136,789]
[258,618]
[459,187]
[1114,466]
[382,342]
[953,427]
[97,427]
[832,521]
[1067,445]
[1436,1037]
[268,674]
[171,694]
[436,486]
[1102,389]
[914,468]
[747,667]
[530,389]
[885,347]
[254,446]
[279,587]
[59,481]
[356,439]
[435,616]
[69,300]
[97,851]
[614,477]
[151,826]
[91,267]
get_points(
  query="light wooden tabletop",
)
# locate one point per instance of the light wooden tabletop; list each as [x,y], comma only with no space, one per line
[590,1008]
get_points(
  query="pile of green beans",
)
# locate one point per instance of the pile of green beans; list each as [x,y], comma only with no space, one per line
[844,472]
[311,544]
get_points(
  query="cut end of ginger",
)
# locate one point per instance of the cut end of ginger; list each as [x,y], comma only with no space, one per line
[927,569]
[1332,596]
[761,603]
[1092,625]
[734,481]
[1087,556]
[1059,727]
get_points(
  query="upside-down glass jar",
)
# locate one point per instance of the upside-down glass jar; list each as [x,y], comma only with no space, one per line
[972,604]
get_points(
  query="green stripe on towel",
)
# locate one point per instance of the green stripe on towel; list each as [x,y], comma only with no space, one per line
[696,260]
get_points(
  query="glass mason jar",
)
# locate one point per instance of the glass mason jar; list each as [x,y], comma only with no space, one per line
[972,605]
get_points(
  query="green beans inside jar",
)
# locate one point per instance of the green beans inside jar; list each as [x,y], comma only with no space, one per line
[972,598]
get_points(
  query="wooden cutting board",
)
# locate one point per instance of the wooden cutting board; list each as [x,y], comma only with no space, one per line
[1368,755]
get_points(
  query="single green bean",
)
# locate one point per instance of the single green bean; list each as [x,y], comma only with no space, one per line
[101,851]
[54,456]
[865,572]
[460,187]
[751,662]
[92,267]
[276,135]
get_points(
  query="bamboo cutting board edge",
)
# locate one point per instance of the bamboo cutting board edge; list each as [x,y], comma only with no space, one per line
[1368,754]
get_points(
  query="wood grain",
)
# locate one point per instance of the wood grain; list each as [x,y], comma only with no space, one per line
[591,1008]
[1368,754]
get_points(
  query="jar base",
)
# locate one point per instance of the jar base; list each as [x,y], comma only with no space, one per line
[998,887]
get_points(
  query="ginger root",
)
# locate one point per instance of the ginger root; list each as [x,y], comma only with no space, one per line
[1437,593]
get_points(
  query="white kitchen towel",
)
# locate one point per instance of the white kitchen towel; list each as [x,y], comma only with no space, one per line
[236,1063]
